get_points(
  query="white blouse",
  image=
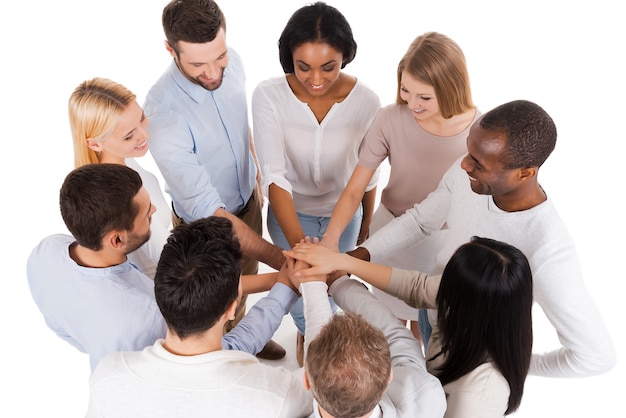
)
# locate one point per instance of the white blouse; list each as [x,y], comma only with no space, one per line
[312,161]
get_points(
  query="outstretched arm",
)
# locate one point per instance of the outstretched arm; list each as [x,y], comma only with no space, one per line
[325,261]
[347,205]
[368,202]
[413,390]
[252,244]
[263,319]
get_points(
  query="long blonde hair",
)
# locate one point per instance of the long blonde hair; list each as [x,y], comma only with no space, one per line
[95,109]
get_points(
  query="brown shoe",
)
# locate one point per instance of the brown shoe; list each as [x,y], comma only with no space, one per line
[272,351]
[300,348]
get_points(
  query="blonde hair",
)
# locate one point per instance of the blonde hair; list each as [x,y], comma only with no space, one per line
[437,60]
[95,108]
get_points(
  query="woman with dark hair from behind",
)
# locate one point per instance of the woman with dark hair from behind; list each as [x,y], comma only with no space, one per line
[485,300]
[481,346]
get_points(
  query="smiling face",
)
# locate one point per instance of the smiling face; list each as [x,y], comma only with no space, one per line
[204,63]
[483,163]
[420,97]
[317,67]
[128,139]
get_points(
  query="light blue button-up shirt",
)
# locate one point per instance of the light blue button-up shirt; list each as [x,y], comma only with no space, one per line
[199,139]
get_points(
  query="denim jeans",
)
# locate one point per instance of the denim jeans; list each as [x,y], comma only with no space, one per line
[424,326]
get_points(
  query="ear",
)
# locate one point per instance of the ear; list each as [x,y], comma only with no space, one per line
[115,239]
[528,172]
[94,145]
[230,311]
[169,49]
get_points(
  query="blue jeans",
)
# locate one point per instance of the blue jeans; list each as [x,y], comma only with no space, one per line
[424,326]
[313,226]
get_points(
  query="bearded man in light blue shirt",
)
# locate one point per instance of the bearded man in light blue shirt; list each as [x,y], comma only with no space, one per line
[200,135]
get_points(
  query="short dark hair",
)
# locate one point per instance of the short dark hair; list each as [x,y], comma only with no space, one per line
[98,198]
[485,313]
[348,365]
[193,21]
[317,22]
[530,132]
[198,274]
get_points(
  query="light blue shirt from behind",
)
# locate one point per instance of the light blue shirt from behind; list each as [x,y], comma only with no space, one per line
[104,310]
[97,310]
[199,139]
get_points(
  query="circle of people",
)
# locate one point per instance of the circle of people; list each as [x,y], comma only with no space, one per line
[417,307]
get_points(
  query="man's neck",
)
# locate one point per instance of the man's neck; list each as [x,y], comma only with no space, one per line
[209,341]
[95,259]
[521,200]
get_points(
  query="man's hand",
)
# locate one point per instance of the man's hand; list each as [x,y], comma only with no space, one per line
[284,278]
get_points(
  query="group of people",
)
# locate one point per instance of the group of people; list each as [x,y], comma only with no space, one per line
[436,319]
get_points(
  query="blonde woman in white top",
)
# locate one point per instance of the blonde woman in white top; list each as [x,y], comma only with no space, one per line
[108,126]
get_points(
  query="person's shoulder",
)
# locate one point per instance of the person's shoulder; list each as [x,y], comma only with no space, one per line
[52,244]
[113,365]
[271,84]
[394,116]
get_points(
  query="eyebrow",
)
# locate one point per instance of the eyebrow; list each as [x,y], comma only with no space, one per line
[222,55]
[326,63]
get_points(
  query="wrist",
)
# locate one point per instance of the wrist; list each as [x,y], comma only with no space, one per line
[360,252]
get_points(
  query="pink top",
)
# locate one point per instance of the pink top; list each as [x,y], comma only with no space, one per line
[418,159]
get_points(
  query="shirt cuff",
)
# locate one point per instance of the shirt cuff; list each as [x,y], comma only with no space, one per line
[284,295]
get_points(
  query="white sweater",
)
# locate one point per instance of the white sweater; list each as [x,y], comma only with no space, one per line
[586,347]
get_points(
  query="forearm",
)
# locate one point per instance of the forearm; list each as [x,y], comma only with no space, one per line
[351,197]
[285,212]
[317,311]
[252,244]
[369,203]
[375,274]
[261,322]
[402,232]
[256,283]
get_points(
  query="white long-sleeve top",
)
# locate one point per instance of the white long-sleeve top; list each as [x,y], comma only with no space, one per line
[147,256]
[310,160]
[559,289]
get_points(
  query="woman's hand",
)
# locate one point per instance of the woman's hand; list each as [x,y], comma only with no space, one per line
[321,259]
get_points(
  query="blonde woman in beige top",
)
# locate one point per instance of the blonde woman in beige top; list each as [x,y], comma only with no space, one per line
[422,134]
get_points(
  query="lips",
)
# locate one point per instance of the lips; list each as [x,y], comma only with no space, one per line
[142,146]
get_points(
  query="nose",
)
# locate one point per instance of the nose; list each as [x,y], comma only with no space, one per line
[152,209]
[143,133]
[413,102]
[211,71]
[466,163]
[316,77]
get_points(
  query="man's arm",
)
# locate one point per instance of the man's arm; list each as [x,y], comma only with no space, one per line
[252,244]
[415,224]
[263,319]
[413,390]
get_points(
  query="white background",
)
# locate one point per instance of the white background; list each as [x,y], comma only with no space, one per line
[567,58]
